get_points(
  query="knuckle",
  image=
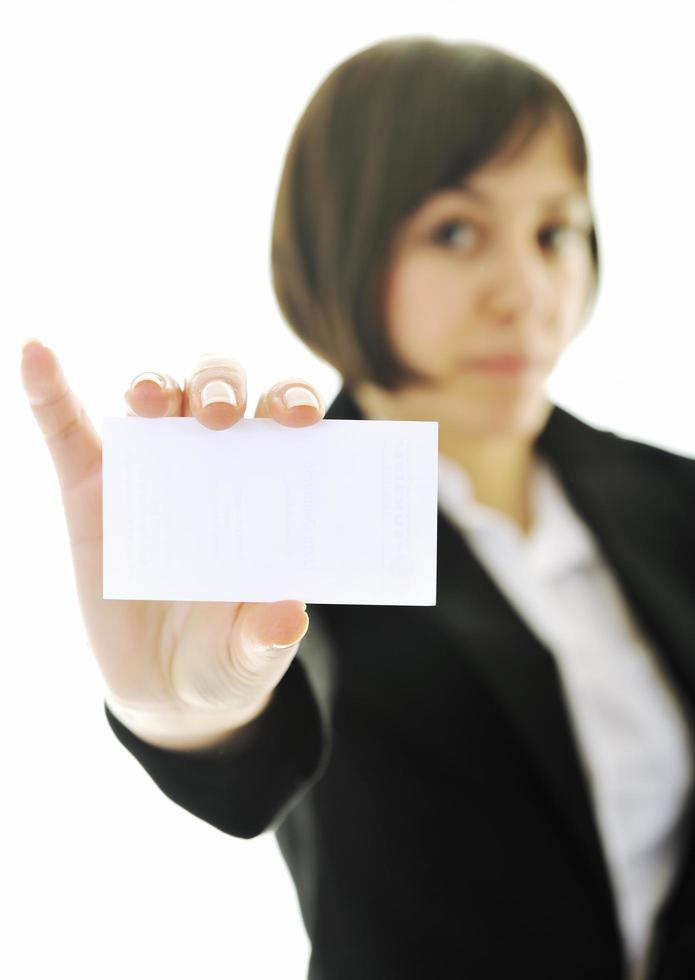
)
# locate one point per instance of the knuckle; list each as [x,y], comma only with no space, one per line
[218,363]
[66,430]
[249,668]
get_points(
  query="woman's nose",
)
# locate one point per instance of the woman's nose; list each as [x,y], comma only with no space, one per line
[519,282]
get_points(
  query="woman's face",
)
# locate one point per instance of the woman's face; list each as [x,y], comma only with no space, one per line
[502,267]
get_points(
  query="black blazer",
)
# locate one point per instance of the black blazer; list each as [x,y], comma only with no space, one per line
[418,766]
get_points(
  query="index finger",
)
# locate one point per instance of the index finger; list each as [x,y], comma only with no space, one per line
[71,438]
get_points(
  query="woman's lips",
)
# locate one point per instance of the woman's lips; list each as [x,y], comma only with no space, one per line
[504,364]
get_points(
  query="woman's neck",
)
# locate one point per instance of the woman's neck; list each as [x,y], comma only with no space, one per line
[500,473]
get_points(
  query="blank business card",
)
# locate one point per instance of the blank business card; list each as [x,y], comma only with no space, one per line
[342,511]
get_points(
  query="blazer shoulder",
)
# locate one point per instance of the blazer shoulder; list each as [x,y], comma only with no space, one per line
[590,441]
[674,464]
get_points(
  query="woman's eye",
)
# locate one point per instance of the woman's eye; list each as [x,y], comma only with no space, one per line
[566,231]
[444,231]
[462,233]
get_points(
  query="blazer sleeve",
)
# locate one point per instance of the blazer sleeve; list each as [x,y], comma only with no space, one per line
[246,786]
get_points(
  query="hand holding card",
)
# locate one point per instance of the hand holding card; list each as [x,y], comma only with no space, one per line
[180,674]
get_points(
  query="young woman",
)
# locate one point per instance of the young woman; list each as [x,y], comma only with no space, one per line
[500,785]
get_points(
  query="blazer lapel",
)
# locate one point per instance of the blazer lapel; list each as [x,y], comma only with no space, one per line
[522,674]
[633,505]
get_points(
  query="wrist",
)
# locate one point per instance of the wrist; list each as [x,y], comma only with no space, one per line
[180,728]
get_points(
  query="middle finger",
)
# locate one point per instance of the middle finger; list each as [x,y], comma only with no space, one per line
[215,392]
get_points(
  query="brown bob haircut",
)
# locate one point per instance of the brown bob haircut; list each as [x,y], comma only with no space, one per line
[389,126]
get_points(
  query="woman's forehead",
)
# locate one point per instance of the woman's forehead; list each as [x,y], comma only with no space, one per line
[574,193]
[546,197]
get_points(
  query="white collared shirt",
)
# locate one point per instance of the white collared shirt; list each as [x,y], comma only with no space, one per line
[631,731]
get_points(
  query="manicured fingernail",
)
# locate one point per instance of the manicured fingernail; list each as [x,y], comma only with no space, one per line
[217,391]
[148,376]
[299,396]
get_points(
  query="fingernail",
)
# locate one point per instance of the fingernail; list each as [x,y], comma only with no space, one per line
[29,342]
[148,376]
[299,396]
[217,391]
[286,646]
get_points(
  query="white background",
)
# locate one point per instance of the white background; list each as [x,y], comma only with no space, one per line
[141,144]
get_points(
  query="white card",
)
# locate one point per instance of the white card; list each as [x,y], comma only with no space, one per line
[342,511]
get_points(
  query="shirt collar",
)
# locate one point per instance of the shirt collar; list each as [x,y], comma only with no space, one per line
[560,541]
